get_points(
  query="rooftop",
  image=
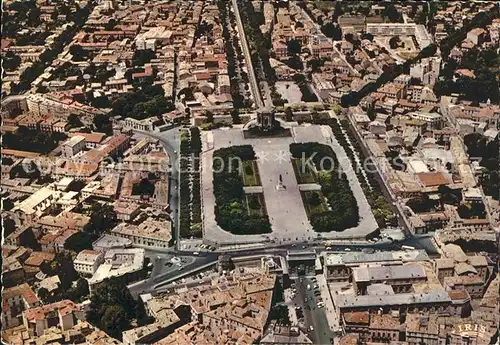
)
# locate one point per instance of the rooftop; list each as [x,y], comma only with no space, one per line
[388,273]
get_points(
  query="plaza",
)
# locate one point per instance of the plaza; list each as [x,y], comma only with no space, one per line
[285,208]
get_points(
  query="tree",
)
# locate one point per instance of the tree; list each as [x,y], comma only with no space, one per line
[209,116]
[110,25]
[332,31]
[367,36]
[288,114]
[54,15]
[79,241]
[235,115]
[8,224]
[102,218]
[43,293]
[420,204]
[74,121]
[10,61]
[77,52]
[114,321]
[103,124]
[82,287]
[294,47]
[391,13]
[62,265]
[254,203]
[338,11]
[142,57]
[295,62]
[144,187]
[394,42]
[112,294]
[7,205]
[314,199]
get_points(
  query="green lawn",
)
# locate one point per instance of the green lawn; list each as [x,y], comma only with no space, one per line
[257,198]
[313,209]
[250,179]
[303,172]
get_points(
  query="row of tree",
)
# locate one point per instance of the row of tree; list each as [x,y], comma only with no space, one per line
[353,98]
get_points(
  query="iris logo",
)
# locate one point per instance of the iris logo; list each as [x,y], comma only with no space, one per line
[471,330]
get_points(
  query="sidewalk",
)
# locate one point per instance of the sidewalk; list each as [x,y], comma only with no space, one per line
[331,315]
[291,309]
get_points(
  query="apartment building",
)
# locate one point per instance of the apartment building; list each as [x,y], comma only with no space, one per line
[400,278]
[14,300]
[61,314]
[149,233]
[87,261]
[339,267]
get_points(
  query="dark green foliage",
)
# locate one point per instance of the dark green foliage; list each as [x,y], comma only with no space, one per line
[74,121]
[142,57]
[148,101]
[31,140]
[253,202]
[294,47]
[391,14]
[29,13]
[394,42]
[484,86]
[259,44]
[421,204]
[307,94]
[479,21]
[314,199]
[102,219]
[230,209]
[144,187]
[332,30]
[334,186]
[79,241]
[10,61]
[62,265]
[478,148]
[112,307]
[103,124]
[78,53]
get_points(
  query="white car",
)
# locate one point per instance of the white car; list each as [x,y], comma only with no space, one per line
[311,328]
[196,253]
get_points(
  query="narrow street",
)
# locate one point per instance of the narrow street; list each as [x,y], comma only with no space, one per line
[308,298]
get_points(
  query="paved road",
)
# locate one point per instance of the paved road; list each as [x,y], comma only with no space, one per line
[163,271]
[170,140]
[313,316]
[251,73]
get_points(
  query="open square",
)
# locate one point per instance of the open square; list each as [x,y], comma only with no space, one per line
[284,206]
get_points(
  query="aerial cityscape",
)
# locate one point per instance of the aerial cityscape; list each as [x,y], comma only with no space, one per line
[219,172]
